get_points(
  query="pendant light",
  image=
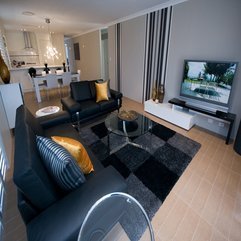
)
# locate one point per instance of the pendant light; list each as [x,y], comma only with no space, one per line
[51,51]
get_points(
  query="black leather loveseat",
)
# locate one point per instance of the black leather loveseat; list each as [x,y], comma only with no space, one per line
[49,213]
[82,99]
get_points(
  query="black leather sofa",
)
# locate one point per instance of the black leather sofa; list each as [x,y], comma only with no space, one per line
[48,212]
[82,99]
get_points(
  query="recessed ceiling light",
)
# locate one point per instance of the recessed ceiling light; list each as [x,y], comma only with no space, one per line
[28,13]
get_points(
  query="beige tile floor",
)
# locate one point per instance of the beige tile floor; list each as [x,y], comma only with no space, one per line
[205,203]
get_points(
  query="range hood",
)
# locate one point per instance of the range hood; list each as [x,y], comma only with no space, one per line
[28,47]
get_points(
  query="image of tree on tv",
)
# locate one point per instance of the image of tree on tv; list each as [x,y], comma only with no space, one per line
[220,73]
[209,80]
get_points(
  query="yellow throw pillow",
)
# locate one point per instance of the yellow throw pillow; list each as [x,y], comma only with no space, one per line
[101,91]
[77,150]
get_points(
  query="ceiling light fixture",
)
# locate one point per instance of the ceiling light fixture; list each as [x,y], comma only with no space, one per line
[28,13]
[51,52]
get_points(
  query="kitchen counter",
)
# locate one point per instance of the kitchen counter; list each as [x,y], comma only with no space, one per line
[36,67]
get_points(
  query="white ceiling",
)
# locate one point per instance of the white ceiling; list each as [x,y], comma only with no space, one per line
[73,17]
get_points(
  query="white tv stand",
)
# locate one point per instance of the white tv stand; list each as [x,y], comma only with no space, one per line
[176,115]
[177,112]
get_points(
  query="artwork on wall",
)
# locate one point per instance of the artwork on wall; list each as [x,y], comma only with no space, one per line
[76,51]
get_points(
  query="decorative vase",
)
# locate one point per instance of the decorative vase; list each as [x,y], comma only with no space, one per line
[4,72]
[64,68]
[46,69]
[161,93]
[154,94]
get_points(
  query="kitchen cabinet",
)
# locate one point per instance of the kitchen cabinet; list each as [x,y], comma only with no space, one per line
[21,53]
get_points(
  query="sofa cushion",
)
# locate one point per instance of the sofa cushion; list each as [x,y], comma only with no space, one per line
[88,108]
[101,91]
[63,220]
[77,150]
[80,90]
[108,86]
[60,164]
[92,87]
[30,174]
[68,131]
[107,104]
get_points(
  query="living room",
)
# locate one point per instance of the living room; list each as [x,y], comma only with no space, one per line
[208,193]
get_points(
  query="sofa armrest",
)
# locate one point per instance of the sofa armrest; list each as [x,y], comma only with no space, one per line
[27,211]
[54,119]
[70,105]
[115,94]
[62,221]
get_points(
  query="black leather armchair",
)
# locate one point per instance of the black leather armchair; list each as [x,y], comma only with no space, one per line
[82,99]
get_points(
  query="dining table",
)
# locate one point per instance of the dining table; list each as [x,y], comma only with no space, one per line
[40,78]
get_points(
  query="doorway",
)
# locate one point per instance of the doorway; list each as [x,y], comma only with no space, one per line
[104,54]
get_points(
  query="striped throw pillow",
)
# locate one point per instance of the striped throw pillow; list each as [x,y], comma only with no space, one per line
[60,164]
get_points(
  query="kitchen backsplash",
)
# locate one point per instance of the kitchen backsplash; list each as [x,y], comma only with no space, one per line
[24,60]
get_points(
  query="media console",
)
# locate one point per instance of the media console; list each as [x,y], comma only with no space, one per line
[182,117]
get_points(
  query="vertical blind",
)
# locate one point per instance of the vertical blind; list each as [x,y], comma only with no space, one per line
[3,159]
[3,49]
[2,186]
[158,25]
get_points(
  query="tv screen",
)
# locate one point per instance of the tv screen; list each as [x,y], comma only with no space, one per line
[209,81]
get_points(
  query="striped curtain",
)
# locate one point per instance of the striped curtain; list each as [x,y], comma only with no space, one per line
[157,41]
[118,55]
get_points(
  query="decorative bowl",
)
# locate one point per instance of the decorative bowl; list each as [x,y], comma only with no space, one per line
[128,115]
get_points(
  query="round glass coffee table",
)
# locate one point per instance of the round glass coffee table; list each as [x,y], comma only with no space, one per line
[114,217]
[139,126]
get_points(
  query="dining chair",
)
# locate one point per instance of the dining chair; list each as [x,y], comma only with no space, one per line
[79,72]
[65,81]
[59,71]
[76,77]
[52,83]
[42,84]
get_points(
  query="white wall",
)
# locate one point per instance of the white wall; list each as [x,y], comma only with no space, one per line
[132,57]
[205,29]
[90,60]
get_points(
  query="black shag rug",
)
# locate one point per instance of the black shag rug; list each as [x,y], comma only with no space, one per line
[150,173]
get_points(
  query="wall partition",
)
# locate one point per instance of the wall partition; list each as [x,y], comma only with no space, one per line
[158,26]
[141,53]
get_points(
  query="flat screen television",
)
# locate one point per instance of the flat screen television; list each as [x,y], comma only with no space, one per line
[208,82]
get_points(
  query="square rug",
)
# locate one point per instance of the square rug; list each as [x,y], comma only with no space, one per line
[151,172]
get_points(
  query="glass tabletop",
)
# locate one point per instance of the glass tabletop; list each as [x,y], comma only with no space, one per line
[114,217]
[138,127]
